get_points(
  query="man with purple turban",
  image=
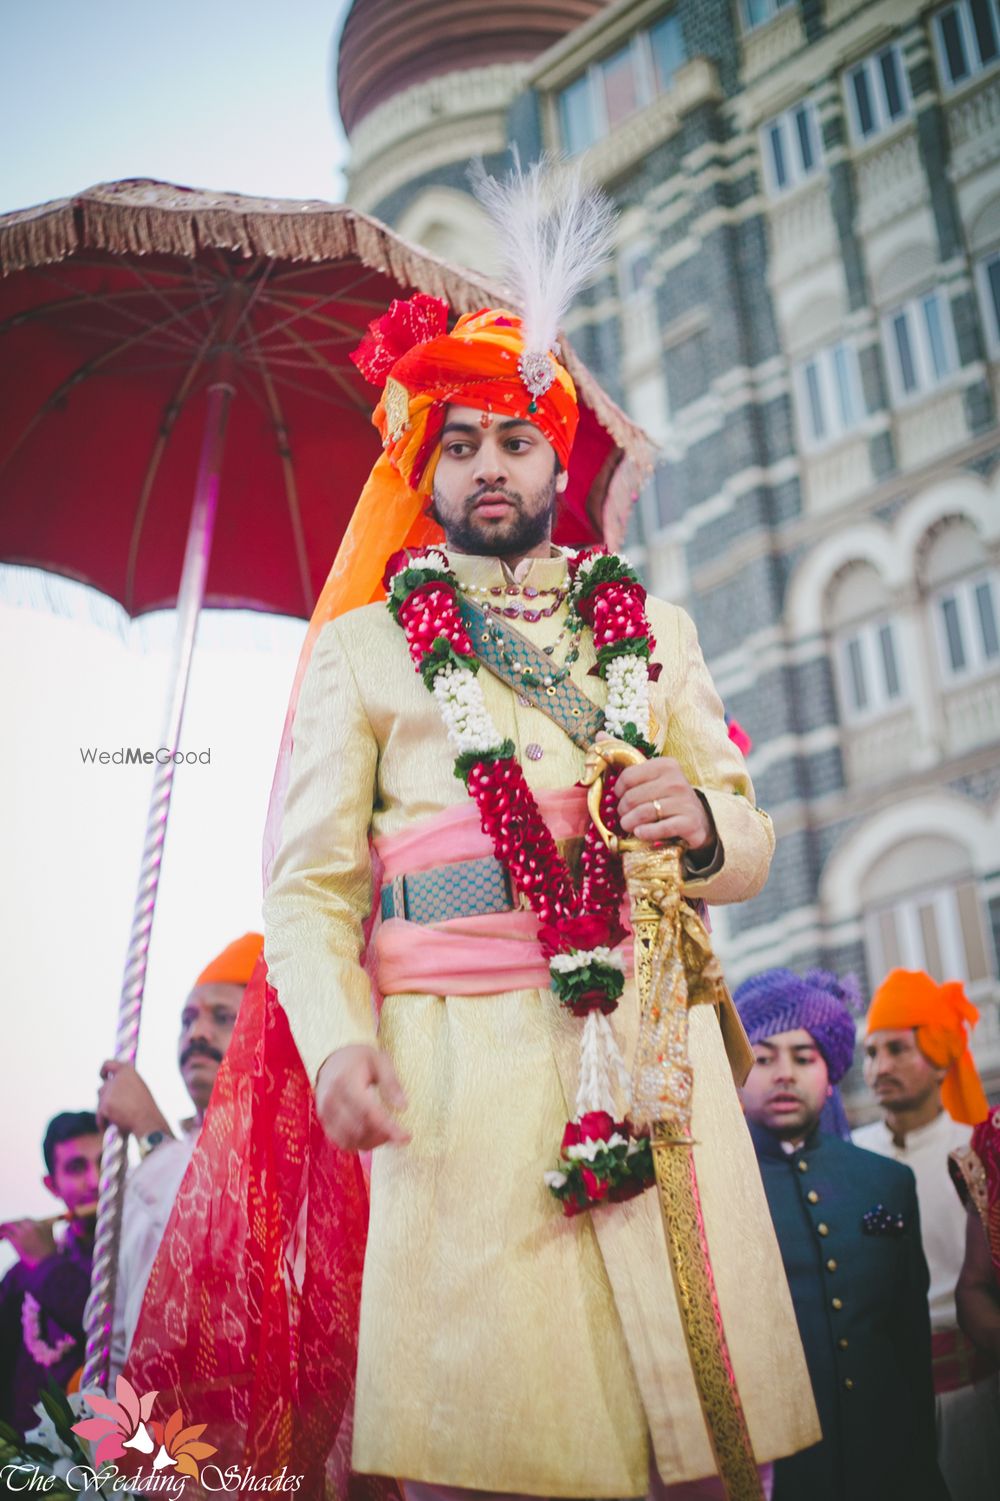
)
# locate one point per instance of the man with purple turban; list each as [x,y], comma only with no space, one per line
[849,1233]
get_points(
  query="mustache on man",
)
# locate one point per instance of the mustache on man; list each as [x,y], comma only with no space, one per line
[514,496]
[199,1048]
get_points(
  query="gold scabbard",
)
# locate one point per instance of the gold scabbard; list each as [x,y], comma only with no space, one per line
[675,969]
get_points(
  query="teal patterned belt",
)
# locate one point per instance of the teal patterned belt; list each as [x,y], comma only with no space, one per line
[466,888]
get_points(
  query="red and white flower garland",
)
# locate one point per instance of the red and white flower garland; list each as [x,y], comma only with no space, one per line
[579,927]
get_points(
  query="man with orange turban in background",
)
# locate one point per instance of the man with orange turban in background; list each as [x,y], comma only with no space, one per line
[126,1101]
[919,1066]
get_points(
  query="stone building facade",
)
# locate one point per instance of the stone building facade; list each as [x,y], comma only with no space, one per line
[805,313]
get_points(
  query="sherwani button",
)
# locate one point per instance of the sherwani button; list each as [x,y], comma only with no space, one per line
[837,1303]
[812,1196]
[802,1165]
[831,1265]
[823,1229]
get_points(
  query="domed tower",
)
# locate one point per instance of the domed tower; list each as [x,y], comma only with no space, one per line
[424,86]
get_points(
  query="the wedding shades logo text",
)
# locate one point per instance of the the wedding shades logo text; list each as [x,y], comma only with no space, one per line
[133,756]
[144,1456]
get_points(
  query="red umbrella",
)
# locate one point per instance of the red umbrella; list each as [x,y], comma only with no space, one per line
[144,328]
[122,308]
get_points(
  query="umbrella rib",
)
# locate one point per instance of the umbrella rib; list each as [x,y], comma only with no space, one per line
[295,385]
[288,469]
[50,309]
[335,340]
[89,367]
[330,370]
[170,415]
[349,330]
[145,289]
[276,299]
[288,362]
[251,302]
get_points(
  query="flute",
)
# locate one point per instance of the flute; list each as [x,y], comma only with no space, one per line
[85,1212]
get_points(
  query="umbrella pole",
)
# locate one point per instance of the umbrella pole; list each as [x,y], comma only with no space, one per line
[114,1158]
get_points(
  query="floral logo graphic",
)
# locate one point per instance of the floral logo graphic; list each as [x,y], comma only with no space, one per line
[126,1426]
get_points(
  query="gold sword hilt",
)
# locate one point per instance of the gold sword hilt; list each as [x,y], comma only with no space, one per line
[602,755]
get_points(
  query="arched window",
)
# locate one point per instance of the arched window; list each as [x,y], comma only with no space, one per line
[866,644]
[964,595]
[923,910]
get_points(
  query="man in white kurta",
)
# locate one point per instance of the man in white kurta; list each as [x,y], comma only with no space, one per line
[206,1028]
[915,1050]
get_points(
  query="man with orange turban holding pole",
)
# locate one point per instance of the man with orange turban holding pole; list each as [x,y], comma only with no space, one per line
[919,1065]
[207,1019]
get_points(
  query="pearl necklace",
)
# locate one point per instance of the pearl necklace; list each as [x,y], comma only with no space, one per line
[527,591]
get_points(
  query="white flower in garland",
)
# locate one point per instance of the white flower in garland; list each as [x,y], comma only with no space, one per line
[627,679]
[467,720]
[566,964]
[586,1151]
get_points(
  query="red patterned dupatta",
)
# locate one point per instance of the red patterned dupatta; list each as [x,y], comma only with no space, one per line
[976,1172]
[250,1319]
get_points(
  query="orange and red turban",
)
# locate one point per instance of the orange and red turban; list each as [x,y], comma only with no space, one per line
[421,367]
[942,1016]
[235,964]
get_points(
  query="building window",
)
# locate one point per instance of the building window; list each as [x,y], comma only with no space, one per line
[967,616]
[666,43]
[759,12]
[616,87]
[921,344]
[647,403]
[988,275]
[877,93]
[940,930]
[635,267]
[868,667]
[791,147]
[968,39]
[830,401]
[576,116]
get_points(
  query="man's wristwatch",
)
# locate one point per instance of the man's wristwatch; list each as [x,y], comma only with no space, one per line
[151,1141]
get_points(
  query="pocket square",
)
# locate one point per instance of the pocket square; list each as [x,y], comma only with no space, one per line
[882,1221]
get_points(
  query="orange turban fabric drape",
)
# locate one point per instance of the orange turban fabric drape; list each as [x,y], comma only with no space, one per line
[943,1016]
[235,964]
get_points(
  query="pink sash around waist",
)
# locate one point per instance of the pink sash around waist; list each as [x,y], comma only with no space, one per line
[468,955]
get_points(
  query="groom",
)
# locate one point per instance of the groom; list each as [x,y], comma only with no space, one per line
[506,1347]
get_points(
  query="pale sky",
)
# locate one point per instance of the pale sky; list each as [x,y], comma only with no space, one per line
[231,94]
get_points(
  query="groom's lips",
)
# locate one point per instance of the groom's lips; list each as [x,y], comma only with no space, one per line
[492,506]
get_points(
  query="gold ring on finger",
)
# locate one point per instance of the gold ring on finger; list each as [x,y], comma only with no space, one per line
[656,805]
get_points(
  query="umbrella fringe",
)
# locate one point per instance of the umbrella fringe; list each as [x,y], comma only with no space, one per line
[36,237]
[143,217]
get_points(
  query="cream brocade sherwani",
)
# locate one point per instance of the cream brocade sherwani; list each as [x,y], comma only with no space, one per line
[504,1347]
